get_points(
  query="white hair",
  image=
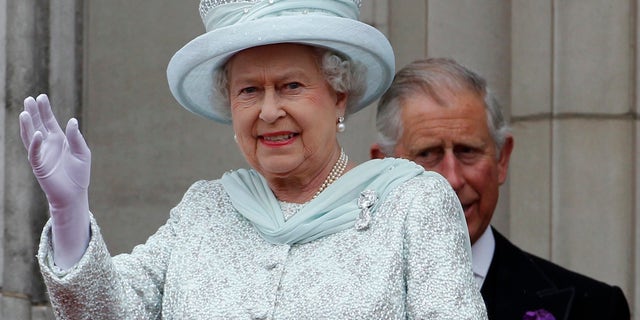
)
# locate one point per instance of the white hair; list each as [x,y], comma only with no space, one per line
[428,76]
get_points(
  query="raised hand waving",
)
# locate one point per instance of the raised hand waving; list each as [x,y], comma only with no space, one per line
[61,162]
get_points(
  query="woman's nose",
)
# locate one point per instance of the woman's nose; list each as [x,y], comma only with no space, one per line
[271,108]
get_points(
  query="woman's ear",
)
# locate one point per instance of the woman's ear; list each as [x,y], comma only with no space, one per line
[341,101]
[375,152]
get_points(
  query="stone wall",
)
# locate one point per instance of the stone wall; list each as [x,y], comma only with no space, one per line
[566,72]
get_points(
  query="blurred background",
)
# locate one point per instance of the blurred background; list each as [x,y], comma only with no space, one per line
[566,72]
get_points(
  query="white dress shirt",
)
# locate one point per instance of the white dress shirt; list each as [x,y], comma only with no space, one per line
[481,255]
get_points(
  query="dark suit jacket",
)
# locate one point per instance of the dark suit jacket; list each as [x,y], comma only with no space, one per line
[518,282]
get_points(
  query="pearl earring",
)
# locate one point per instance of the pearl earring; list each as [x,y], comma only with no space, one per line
[341,126]
[235,138]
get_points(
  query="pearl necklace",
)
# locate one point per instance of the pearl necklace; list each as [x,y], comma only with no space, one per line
[335,173]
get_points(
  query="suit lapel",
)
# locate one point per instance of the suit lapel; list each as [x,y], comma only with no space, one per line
[515,285]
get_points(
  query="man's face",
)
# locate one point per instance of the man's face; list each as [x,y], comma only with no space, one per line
[454,141]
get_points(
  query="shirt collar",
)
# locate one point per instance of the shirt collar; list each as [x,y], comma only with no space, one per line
[481,255]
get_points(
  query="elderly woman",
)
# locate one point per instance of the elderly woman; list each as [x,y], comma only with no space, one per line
[304,233]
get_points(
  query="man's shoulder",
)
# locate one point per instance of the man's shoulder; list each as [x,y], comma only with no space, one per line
[518,280]
[556,273]
[565,277]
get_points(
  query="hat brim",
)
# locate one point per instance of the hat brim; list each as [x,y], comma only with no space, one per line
[190,71]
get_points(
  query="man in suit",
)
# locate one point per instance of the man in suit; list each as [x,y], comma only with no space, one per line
[442,116]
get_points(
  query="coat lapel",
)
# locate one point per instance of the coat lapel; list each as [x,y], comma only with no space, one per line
[515,285]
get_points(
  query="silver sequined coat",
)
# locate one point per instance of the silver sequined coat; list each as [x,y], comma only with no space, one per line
[208,262]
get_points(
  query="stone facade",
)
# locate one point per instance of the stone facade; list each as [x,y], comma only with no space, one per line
[566,72]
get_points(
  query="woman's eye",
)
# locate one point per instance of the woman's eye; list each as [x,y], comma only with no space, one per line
[293,85]
[248,90]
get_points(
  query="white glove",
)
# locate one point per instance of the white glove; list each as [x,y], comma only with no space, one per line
[62,165]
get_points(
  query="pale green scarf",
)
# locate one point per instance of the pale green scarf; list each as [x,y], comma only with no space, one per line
[333,210]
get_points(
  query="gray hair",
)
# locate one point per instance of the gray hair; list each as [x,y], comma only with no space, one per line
[342,74]
[428,76]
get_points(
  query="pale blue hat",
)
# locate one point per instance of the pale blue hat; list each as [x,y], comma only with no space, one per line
[235,25]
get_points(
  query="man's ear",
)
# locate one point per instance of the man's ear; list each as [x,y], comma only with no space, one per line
[375,152]
[503,161]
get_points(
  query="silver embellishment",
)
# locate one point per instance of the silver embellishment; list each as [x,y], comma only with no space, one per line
[208,5]
[366,201]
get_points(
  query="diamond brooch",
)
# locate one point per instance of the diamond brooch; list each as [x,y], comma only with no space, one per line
[366,201]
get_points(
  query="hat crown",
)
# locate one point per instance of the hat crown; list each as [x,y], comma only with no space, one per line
[216,14]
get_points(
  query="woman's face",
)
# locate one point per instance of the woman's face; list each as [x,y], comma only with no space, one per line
[283,110]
